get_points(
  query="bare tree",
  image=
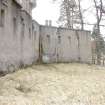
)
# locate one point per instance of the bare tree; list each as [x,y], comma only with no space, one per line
[81,15]
[66,13]
[99,15]
[71,14]
[79,12]
[98,8]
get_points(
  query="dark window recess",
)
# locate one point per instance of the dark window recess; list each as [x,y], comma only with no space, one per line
[23,28]
[69,38]
[33,27]
[59,39]
[48,38]
[14,25]
[2,18]
[29,33]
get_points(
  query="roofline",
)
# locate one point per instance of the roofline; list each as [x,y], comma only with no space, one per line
[34,21]
[65,28]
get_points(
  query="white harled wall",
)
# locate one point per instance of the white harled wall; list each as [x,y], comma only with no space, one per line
[17,45]
[64,45]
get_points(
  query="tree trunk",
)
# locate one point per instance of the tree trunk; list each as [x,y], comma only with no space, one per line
[81,16]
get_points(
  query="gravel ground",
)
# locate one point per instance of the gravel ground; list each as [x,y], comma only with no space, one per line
[54,84]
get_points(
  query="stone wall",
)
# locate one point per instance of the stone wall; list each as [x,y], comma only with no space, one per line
[17,46]
[9,50]
[64,45]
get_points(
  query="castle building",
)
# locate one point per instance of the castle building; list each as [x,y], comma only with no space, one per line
[24,42]
[27,5]
[16,36]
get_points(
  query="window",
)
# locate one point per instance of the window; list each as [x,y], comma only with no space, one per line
[14,26]
[2,18]
[59,39]
[23,28]
[48,38]
[30,33]
[69,39]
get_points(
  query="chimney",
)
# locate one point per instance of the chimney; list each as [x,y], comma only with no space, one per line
[50,23]
[46,22]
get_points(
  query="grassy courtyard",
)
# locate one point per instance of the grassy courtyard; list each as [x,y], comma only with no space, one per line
[54,84]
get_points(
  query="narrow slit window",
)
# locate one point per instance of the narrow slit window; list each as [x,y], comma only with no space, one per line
[69,39]
[14,25]
[23,28]
[30,33]
[2,19]
[59,39]
[48,38]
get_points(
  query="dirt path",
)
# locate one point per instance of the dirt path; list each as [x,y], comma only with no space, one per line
[54,84]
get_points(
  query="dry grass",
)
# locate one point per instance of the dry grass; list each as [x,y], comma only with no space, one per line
[54,84]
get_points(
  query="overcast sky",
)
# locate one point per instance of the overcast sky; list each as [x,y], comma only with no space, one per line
[46,10]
